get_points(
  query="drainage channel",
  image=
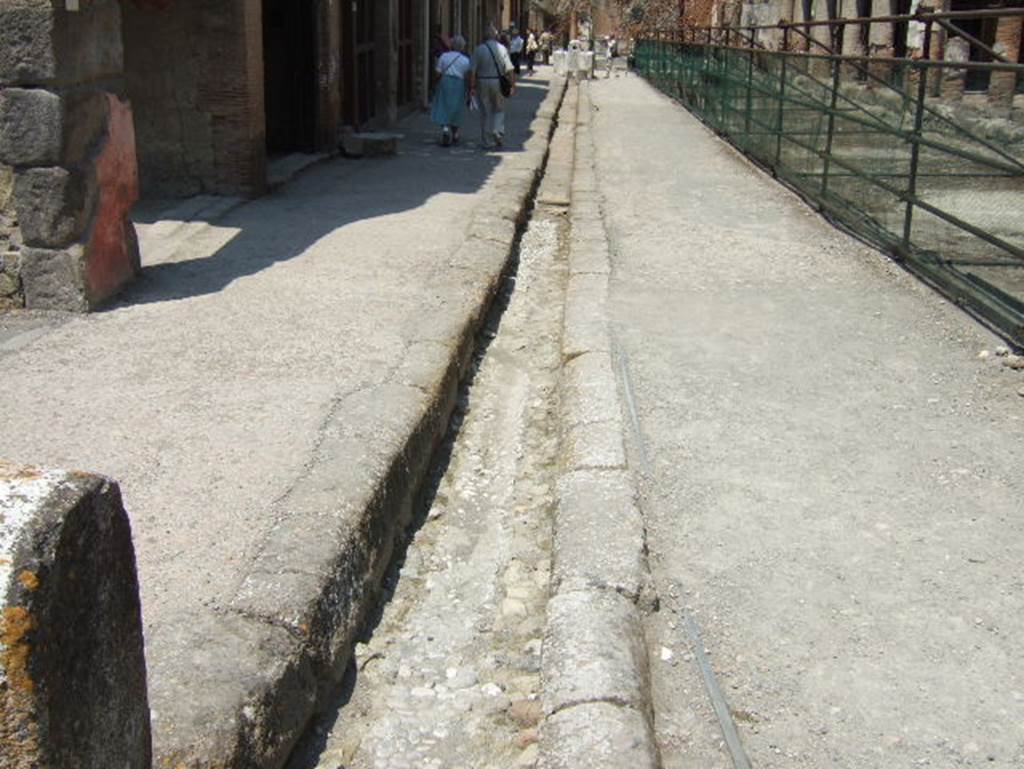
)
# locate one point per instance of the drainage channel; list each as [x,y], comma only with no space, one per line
[448,672]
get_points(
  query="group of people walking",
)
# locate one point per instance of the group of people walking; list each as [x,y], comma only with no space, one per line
[481,81]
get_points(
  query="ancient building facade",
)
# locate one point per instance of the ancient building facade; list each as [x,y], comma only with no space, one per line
[886,39]
[102,101]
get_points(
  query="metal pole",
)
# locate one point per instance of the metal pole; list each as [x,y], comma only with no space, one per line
[836,69]
[782,97]
[705,77]
[915,149]
[750,85]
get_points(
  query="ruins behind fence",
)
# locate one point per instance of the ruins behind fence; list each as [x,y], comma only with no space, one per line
[921,154]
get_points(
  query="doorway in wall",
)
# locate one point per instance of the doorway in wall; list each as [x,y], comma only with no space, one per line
[289,75]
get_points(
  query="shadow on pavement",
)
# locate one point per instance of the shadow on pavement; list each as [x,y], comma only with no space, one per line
[329,196]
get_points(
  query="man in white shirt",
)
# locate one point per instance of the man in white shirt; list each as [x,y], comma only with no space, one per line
[515,49]
[490,62]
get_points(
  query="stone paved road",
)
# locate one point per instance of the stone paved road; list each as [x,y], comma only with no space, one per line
[834,489]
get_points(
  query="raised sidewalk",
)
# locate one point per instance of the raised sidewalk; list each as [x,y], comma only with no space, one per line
[269,395]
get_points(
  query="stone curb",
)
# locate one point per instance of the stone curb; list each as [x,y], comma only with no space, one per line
[594,670]
[72,669]
[279,647]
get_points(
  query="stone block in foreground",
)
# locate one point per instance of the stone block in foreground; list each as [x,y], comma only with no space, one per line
[598,735]
[72,671]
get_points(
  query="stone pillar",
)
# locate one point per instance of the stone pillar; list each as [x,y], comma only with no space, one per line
[1008,41]
[328,73]
[232,91]
[386,52]
[66,131]
[72,671]
[956,50]
[880,47]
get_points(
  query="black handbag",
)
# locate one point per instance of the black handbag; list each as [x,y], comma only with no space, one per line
[503,82]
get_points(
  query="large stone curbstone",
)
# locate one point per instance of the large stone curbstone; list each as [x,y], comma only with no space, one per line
[593,652]
[72,671]
[590,391]
[586,315]
[595,508]
[597,736]
[589,445]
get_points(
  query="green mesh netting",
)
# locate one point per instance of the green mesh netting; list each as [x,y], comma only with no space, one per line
[844,134]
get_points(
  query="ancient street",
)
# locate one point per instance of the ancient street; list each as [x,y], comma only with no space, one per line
[605,443]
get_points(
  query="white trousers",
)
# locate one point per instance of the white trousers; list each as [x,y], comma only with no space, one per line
[492,108]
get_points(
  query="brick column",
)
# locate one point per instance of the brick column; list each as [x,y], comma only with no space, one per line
[232,91]
[1008,41]
[66,131]
[956,50]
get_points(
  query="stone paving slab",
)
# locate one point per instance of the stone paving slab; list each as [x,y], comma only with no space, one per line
[267,394]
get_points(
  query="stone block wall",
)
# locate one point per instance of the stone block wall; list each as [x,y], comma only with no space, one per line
[66,133]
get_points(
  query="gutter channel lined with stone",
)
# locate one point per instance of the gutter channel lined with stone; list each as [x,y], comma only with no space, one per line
[302,619]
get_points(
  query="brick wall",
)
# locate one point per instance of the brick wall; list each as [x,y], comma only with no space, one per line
[194,72]
[1009,35]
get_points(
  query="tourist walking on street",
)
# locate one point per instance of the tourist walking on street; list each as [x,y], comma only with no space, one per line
[515,49]
[531,51]
[439,44]
[452,73]
[491,63]
[546,39]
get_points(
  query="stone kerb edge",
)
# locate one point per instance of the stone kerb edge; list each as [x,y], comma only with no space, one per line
[595,670]
[72,668]
[333,613]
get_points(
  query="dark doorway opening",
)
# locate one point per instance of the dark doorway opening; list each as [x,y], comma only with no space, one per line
[985,31]
[900,28]
[289,75]
[358,36]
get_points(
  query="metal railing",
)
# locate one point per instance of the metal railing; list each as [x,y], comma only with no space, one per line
[891,148]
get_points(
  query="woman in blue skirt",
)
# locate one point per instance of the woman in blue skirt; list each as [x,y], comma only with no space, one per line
[452,92]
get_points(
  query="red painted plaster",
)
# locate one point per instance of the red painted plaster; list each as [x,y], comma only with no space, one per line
[112,258]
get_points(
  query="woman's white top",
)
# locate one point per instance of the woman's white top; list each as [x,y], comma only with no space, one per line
[454,64]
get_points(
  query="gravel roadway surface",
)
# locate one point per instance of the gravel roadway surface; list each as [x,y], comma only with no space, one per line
[833,488]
